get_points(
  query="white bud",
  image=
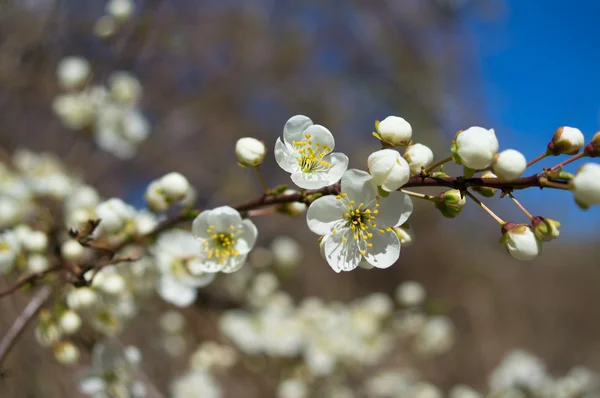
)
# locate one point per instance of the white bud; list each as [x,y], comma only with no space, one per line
[111,283]
[82,297]
[11,211]
[121,10]
[462,391]
[250,151]
[47,333]
[292,388]
[114,214]
[66,352]
[509,164]
[174,186]
[586,185]
[9,249]
[410,294]
[105,27]
[36,241]
[520,241]
[566,140]
[287,253]
[293,208]
[124,87]
[37,263]
[133,354]
[75,111]
[418,156]
[388,169]
[154,198]
[395,130]
[436,336]
[69,322]
[72,250]
[475,147]
[425,390]
[73,72]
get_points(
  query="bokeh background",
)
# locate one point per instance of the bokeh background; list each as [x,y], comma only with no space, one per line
[217,70]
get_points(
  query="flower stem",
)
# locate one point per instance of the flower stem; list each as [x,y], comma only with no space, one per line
[534,161]
[261,178]
[437,164]
[418,195]
[520,206]
[544,182]
[484,207]
[261,212]
[570,160]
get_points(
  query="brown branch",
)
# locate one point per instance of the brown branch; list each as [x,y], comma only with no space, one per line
[24,318]
[30,279]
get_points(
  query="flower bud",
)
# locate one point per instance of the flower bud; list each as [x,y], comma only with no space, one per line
[418,156]
[475,147]
[509,164]
[405,234]
[250,151]
[174,186]
[125,88]
[47,331]
[72,250]
[73,72]
[566,140]
[287,253]
[105,27]
[69,322]
[520,241]
[36,241]
[545,229]
[37,263]
[154,198]
[410,294]
[593,148]
[486,191]
[586,185]
[395,130]
[82,297]
[66,352]
[450,203]
[388,169]
[121,10]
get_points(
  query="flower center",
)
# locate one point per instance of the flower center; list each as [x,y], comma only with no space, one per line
[311,157]
[221,245]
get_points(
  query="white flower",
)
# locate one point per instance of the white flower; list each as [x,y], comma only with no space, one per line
[358,223]
[121,10]
[250,151]
[389,169]
[69,322]
[521,243]
[37,263]
[168,189]
[124,87]
[75,110]
[225,239]
[519,369]
[72,250]
[114,214]
[395,130]
[66,352]
[179,259]
[73,72]
[463,391]
[292,388]
[509,164]
[9,249]
[566,140]
[475,147]
[83,297]
[120,129]
[410,293]
[436,336]
[305,152]
[105,27]
[194,385]
[287,253]
[418,156]
[586,185]
[36,241]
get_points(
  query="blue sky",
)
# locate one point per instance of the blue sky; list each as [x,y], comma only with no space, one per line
[539,64]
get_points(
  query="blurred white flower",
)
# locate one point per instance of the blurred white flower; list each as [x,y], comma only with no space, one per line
[73,72]
[292,388]
[436,336]
[194,385]
[410,294]
[114,215]
[518,369]
[586,185]
[287,253]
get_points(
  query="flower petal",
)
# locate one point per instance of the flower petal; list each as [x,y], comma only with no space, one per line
[295,127]
[324,214]
[208,265]
[339,165]
[340,255]
[234,263]
[195,277]
[313,180]
[322,135]
[245,242]
[200,225]
[394,209]
[176,293]
[359,186]
[286,158]
[222,218]
[385,250]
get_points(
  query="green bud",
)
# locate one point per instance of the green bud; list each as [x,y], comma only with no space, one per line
[593,148]
[545,229]
[450,203]
[486,191]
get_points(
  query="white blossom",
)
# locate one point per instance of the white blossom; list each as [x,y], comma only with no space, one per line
[196,384]
[287,253]
[66,352]
[436,336]
[475,147]
[358,223]
[121,10]
[586,185]
[410,293]
[114,215]
[225,239]
[124,87]
[395,130]
[509,164]
[250,151]
[73,72]
[521,243]
[418,156]
[518,369]
[389,169]
[306,153]
[292,388]
[566,140]
[71,250]
[69,321]
[9,249]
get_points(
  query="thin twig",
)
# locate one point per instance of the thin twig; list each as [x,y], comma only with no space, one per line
[30,279]
[569,160]
[484,207]
[437,164]
[519,205]
[534,161]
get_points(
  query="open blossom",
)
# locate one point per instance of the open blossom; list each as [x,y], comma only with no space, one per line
[475,147]
[389,169]
[359,223]
[179,257]
[225,239]
[306,153]
[509,164]
[586,185]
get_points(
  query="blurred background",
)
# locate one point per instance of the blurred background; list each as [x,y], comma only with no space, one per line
[213,71]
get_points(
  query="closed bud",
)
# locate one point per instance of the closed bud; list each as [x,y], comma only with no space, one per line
[586,185]
[47,331]
[174,186]
[66,352]
[566,140]
[395,131]
[36,241]
[405,234]
[72,250]
[105,27]
[418,157]
[593,148]
[450,203]
[509,164]
[121,10]
[486,191]
[520,241]
[475,147]
[250,151]
[82,297]
[410,294]
[73,72]
[69,322]
[545,229]
[388,169]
